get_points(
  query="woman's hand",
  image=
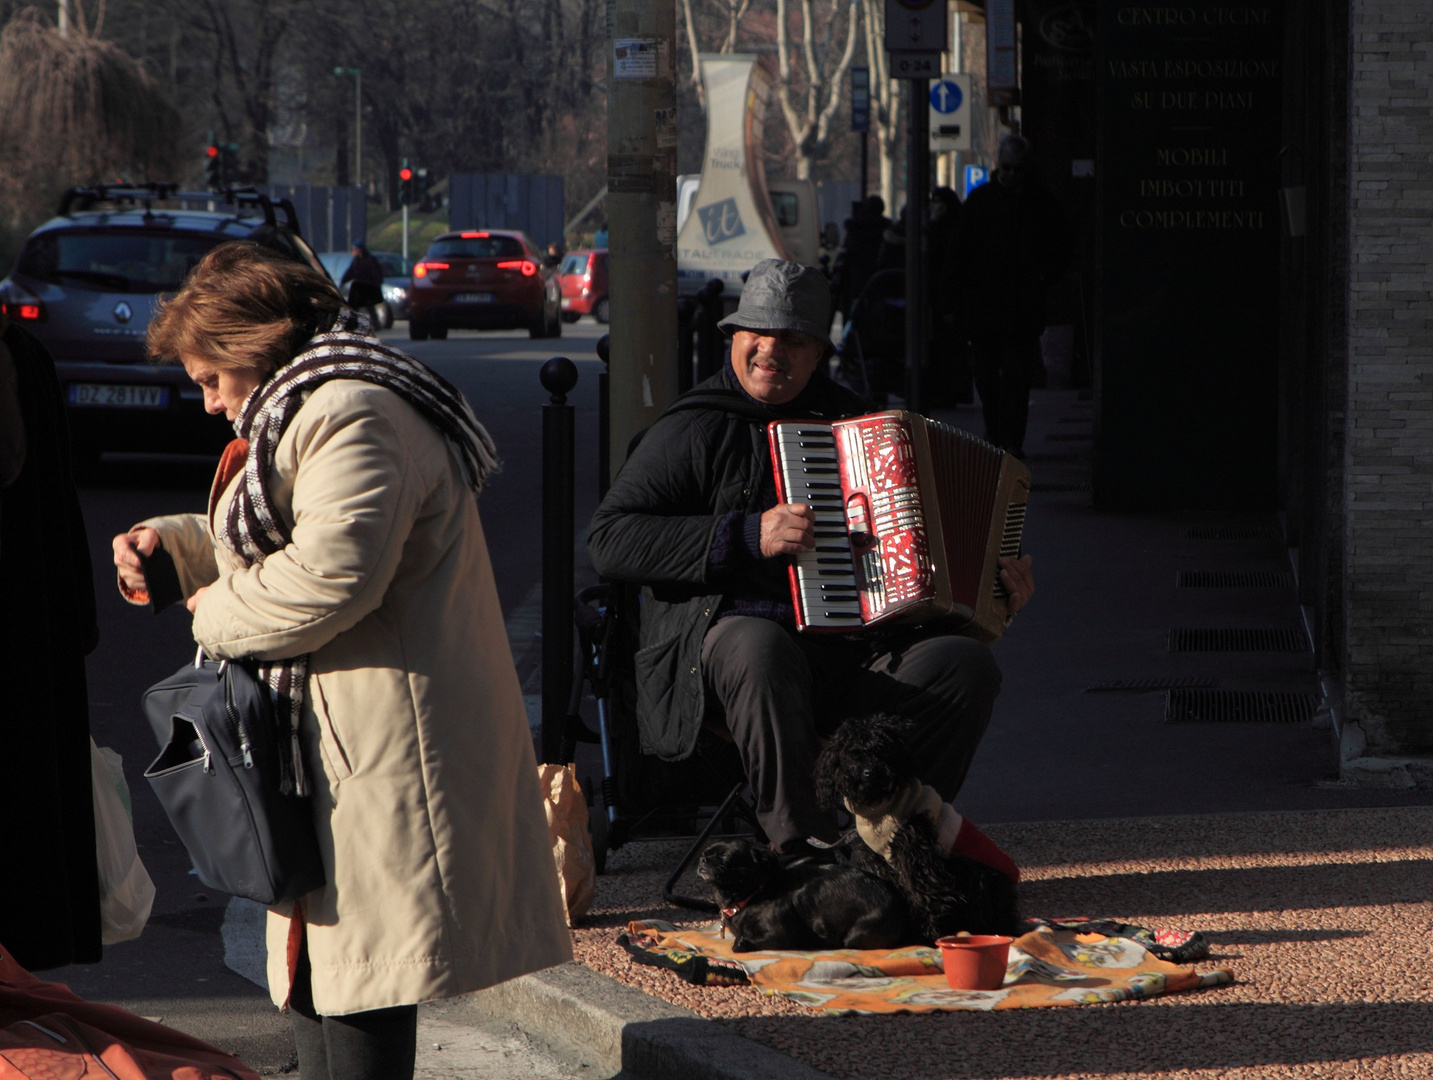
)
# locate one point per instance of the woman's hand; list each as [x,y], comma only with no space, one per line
[193,601]
[128,547]
[1019,581]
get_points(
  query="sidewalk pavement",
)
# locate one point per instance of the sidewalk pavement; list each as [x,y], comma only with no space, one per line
[1158,756]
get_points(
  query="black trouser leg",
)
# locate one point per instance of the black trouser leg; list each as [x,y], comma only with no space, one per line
[759,676]
[376,1045]
[307,1024]
[1002,369]
[781,693]
[947,686]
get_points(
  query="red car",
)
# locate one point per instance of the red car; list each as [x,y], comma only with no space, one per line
[484,279]
[584,285]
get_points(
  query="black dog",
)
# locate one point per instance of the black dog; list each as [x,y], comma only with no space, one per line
[804,905]
[867,769]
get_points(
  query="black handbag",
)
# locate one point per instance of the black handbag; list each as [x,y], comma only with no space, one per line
[217,776]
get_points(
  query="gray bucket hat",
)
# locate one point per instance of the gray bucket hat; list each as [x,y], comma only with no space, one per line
[781,295]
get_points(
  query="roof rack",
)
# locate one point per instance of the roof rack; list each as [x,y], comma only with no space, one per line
[85,198]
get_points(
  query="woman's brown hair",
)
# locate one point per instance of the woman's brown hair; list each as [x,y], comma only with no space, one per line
[243,306]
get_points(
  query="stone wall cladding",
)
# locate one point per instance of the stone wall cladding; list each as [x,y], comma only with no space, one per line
[1388,450]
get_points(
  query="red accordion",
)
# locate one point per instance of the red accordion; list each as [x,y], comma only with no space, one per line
[912,518]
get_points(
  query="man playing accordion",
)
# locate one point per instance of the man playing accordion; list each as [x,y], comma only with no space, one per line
[693,517]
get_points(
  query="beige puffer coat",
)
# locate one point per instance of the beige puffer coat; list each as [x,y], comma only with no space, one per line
[440,870]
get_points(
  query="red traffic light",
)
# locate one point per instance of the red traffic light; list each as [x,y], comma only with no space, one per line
[212,151]
[405,174]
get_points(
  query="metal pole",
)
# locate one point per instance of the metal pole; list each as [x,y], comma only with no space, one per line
[405,232]
[641,214]
[604,420]
[688,319]
[864,136]
[358,126]
[558,376]
[917,218]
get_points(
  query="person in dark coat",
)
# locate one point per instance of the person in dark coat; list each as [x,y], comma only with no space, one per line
[1014,245]
[693,517]
[948,379]
[365,269]
[49,905]
[856,261]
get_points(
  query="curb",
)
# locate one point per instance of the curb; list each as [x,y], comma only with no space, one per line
[628,1032]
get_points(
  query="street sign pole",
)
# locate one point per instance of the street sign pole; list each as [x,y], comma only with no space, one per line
[861,114]
[915,38]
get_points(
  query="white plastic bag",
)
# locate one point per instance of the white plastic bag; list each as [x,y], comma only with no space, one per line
[126,891]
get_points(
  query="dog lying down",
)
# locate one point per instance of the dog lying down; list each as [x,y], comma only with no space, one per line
[801,906]
[953,876]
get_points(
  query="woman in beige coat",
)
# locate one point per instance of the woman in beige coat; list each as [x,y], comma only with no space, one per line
[343,550]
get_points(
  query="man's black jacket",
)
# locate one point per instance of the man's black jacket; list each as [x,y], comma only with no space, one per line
[655,528]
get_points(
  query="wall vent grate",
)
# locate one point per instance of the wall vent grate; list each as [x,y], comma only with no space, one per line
[1234,579]
[1072,485]
[1144,686]
[1237,640]
[1232,532]
[1237,706]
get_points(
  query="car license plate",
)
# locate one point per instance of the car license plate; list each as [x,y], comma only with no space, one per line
[119,397]
[473,298]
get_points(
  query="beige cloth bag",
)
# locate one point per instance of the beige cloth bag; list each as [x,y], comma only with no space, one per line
[571,841]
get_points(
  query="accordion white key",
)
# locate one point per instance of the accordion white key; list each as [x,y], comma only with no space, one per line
[912,518]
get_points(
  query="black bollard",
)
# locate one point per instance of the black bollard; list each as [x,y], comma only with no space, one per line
[686,328]
[709,336]
[604,417]
[559,376]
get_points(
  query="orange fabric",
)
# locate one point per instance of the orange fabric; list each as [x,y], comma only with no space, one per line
[47,1031]
[294,947]
[1047,968]
[231,464]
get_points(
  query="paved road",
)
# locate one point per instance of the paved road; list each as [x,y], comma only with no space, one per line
[176,970]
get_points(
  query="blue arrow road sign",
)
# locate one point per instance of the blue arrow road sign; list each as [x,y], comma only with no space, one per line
[945,96]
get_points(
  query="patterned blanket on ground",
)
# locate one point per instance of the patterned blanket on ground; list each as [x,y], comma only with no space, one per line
[1058,962]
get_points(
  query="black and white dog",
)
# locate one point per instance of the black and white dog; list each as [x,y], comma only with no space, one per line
[953,876]
[804,905]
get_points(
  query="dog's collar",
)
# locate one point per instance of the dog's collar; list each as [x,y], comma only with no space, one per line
[730,912]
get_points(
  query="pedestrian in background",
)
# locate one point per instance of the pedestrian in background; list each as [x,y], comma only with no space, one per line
[343,546]
[856,261]
[365,270]
[49,900]
[948,378]
[1014,244]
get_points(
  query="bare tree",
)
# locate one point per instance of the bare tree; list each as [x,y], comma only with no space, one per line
[885,99]
[808,111]
[79,103]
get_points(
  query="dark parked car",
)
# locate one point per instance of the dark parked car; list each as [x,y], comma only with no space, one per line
[86,283]
[484,279]
[584,286]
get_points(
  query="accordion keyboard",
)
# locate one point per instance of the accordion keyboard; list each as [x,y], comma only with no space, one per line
[825,577]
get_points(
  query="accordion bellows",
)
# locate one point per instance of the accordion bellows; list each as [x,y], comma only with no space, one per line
[912,518]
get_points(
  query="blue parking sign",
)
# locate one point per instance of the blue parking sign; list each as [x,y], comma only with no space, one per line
[975,175]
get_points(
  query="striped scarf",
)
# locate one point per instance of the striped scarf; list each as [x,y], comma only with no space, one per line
[253,530]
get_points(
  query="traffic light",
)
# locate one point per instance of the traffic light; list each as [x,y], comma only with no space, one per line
[405,184]
[213,167]
[421,184]
[229,155]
